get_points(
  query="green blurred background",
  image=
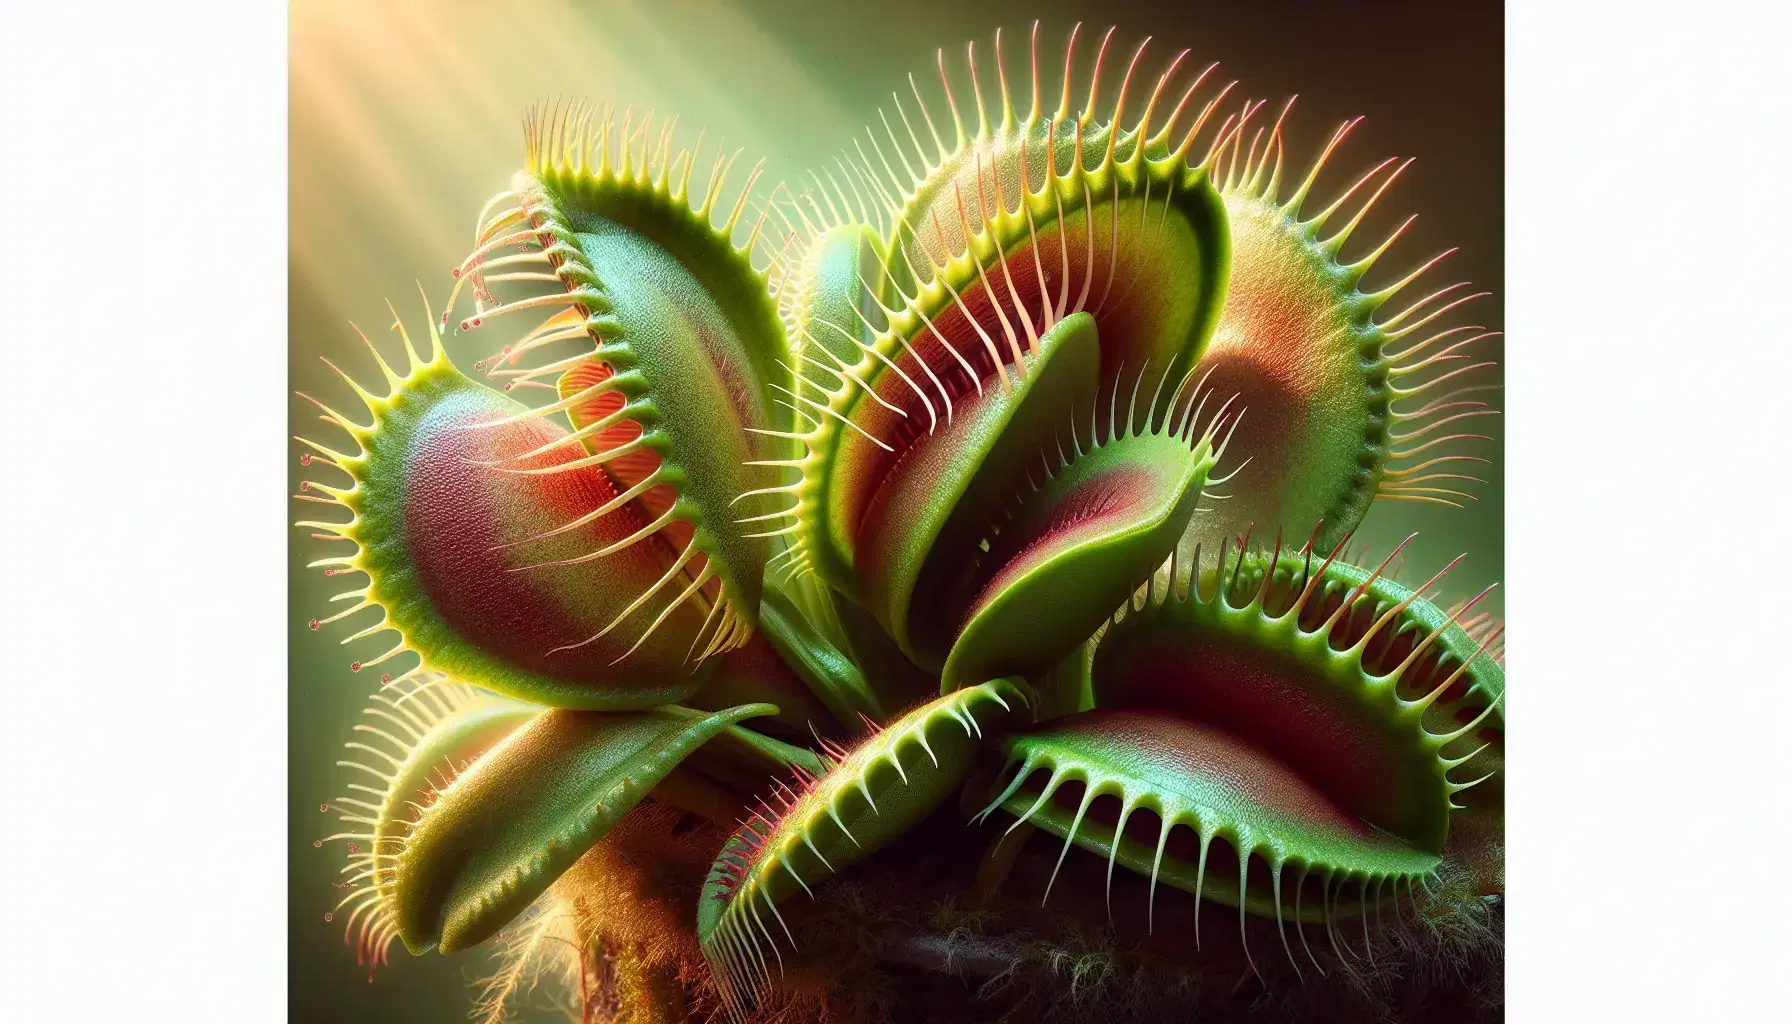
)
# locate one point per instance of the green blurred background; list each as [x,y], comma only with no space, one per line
[404,119]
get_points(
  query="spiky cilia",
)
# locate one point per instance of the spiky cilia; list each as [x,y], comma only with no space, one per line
[959,446]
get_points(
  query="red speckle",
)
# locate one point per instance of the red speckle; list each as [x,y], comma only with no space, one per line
[507,350]
[469,324]
[328,917]
[456,273]
[352,848]
[510,385]
[305,459]
[304,485]
[318,843]
[314,624]
[355,667]
[386,679]
[480,365]
[323,807]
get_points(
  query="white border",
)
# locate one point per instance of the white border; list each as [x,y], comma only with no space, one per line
[1647,455]
[143,723]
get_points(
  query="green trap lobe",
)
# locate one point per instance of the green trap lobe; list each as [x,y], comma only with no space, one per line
[1074,551]
[521,815]
[469,553]
[869,796]
[690,330]
[934,505]
[834,310]
[1210,782]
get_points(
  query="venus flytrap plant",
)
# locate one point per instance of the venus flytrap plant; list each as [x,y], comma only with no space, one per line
[905,518]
